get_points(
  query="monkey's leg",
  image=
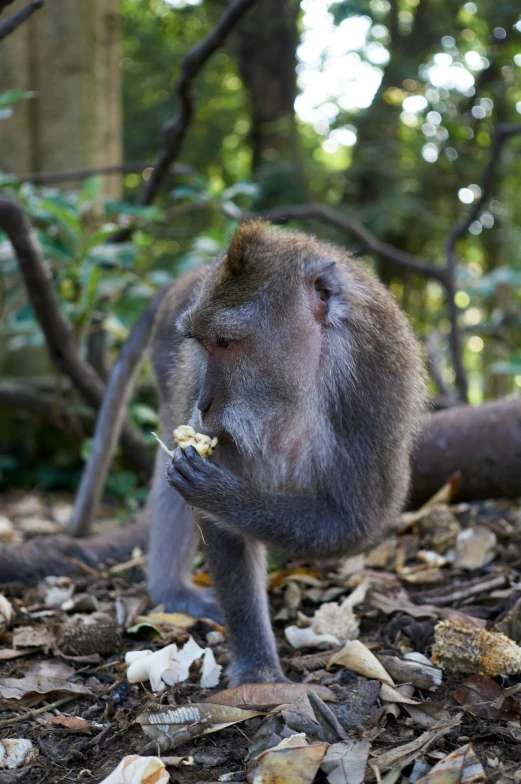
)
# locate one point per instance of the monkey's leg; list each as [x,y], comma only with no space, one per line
[173,545]
[238,567]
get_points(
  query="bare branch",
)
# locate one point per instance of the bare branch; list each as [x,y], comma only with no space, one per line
[56,328]
[111,416]
[67,175]
[353,226]
[14,21]
[77,420]
[175,131]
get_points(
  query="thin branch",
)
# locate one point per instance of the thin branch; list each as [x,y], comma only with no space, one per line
[66,416]
[67,175]
[432,343]
[57,329]
[111,416]
[175,131]
[14,21]
[353,226]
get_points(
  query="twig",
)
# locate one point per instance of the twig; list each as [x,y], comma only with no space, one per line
[57,329]
[42,178]
[172,740]
[14,21]
[64,415]
[353,226]
[432,343]
[175,131]
[37,712]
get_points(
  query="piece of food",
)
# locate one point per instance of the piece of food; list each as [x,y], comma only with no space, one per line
[186,436]
[459,647]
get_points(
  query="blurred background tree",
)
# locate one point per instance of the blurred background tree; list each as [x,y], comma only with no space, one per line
[385,110]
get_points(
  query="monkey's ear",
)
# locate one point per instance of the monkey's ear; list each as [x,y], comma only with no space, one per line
[325,291]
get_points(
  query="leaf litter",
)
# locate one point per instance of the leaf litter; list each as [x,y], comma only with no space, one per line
[404,662]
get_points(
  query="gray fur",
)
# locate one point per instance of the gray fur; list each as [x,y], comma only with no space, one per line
[316,401]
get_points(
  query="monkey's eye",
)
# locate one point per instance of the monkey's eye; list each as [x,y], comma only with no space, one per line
[222,341]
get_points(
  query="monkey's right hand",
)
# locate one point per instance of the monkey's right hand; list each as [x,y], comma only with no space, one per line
[202,483]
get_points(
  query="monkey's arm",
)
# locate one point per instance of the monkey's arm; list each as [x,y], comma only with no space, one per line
[291,521]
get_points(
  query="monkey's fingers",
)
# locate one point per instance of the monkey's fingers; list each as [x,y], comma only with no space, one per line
[189,463]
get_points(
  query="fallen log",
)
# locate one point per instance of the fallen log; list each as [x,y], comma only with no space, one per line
[483,443]
[63,555]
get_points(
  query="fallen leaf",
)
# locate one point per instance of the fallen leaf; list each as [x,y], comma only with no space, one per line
[211,672]
[15,752]
[35,687]
[72,723]
[407,753]
[357,657]
[267,695]
[475,547]
[14,653]
[487,699]
[421,674]
[278,578]
[53,668]
[156,723]
[292,761]
[139,770]
[345,762]
[460,767]
[338,620]
[183,620]
[33,637]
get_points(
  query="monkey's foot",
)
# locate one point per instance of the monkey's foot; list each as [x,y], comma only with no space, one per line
[256,675]
[196,602]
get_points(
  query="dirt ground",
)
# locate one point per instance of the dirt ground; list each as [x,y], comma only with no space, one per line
[385,713]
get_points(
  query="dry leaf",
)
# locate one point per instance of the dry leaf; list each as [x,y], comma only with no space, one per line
[15,752]
[7,531]
[72,723]
[460,767]
[35,687]
[463,648]
[211,670]
[33,637]
[308,638]
[156,723]
[408,752]
[139,770]
[56,590]
[420,672]
[487,699]
[345,762]
[475,547]
[268,695]
[180,619]
[292,761]
[11,653]
[357,657]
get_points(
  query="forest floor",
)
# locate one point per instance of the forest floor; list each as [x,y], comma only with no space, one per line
[375,710]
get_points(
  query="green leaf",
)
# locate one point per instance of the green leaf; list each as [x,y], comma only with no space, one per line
[10,97]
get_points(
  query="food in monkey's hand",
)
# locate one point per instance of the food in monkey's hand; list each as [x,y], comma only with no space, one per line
[186,436]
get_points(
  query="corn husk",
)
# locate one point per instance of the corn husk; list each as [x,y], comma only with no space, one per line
[463,648]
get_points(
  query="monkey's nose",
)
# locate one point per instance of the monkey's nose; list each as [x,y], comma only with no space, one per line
[204,403]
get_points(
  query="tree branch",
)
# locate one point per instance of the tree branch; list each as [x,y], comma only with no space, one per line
[67,417]
[175,131]
[353,226]
[56,328]
[14,21]
[67,175]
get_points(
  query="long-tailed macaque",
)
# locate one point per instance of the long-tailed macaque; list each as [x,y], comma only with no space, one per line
[306,369]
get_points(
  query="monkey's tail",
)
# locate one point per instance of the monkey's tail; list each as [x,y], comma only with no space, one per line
[111,416]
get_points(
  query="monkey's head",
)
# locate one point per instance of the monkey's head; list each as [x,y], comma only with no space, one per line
[258,325]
